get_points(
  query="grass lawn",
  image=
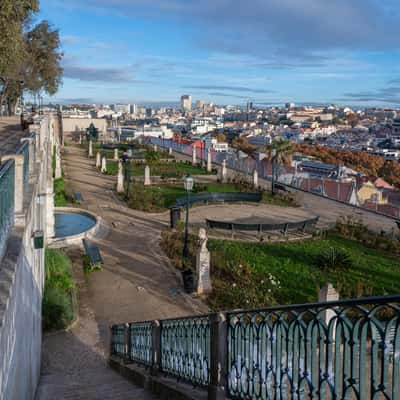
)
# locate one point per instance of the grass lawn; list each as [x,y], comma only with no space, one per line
[60,197]
[261,274]
[159,198]
[57,306]
[179,168]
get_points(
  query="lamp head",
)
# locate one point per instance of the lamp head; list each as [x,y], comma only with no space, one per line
[188,182]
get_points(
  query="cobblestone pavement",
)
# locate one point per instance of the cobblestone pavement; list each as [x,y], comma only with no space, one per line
[136,284]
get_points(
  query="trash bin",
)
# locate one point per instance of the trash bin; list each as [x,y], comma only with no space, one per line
[188,280]
[175,216]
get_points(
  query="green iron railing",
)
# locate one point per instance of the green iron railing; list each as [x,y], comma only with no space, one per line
[7,183]
[185,349]
[228,197]
[341,350]
[141,348]
[24,151]
[284,227]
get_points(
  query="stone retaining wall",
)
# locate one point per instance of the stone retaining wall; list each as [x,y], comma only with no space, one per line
[22,273]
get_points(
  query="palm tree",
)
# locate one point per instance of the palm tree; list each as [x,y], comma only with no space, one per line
[152,157]
[279,153]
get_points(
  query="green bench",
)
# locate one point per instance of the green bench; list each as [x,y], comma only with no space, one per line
[78,198]
[93,252]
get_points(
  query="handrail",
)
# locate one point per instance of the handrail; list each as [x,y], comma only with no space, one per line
[24,151]
[220,196]
[261,227]
[303,346]
[7,185]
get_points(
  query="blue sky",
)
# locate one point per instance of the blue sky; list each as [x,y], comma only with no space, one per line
[229,51]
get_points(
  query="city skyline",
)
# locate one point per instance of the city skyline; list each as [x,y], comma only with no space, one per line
[302,51]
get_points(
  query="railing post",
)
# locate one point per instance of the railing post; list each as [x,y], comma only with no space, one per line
[217,387]
[156,348]
[111,340]
[127,350]
[31,145]
[18,183]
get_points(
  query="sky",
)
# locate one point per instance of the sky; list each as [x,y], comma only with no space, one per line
[228,51]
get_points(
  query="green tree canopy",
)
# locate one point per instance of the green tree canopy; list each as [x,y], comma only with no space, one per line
[29,55]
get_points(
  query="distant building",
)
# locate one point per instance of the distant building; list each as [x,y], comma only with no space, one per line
[259,140]
[289,106]
[396,129]
[122,108]
[200,104]
[186,102]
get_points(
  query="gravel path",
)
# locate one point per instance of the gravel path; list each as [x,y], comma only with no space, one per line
[136,284]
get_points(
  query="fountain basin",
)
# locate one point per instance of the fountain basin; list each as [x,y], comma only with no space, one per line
[71,225]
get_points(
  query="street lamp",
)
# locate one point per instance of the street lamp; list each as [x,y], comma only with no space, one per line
[273,157]
[188,183]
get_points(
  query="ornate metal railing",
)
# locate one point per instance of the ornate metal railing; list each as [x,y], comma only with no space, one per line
[260,227]
[141,347]
[24,151]
[118,340]
[7,183]
[341,350]
[185,349]
[229,197]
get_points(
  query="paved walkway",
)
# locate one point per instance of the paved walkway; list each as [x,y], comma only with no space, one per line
[136,284]
[10,135]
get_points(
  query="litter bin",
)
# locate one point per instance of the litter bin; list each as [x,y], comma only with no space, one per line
[175,216]
[188,280]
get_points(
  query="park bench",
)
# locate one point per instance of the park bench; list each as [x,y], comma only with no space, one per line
[78,198]
[93,252]
[169,175]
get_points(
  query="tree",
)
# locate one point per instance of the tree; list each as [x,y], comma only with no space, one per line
[352,119]
[221,137]
[152,157]
[14,16]
[29,57]
[279,152]
[42,67]
[242,143]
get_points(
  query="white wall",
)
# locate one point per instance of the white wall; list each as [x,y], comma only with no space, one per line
[76,124]
[21,287]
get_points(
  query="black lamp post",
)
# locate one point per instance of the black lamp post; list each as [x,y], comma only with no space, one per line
[273,171]
[188,182]
[127,177]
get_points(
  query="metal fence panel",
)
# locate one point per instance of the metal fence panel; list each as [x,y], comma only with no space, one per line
[141,349]
[344,351]
[185,349]
[7,184]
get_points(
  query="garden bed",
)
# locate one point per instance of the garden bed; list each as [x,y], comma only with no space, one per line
[248,275]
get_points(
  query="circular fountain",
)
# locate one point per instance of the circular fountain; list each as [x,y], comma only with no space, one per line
[71,225]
